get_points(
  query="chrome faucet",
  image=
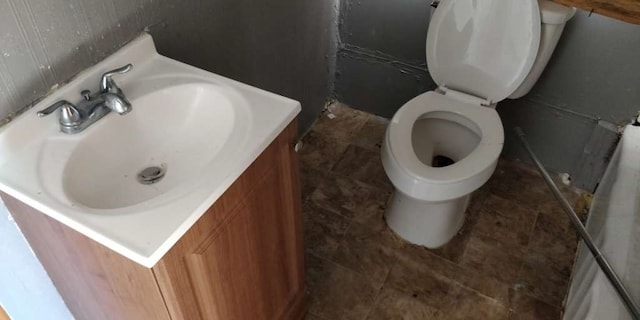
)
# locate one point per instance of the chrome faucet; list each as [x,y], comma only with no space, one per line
[75,118]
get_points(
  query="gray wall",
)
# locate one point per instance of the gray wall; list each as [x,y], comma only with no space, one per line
[381,56]
[594,74]
[284,46]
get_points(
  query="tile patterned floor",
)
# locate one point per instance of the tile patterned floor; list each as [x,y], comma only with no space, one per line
[511,260]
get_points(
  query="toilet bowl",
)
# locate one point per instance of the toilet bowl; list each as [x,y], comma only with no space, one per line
[429,202]
[442,145]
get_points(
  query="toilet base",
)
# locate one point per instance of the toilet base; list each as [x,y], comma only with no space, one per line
[430,224]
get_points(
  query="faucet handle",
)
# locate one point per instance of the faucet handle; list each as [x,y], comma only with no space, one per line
[117,103]
[107,84]
[69,114]
[50,109]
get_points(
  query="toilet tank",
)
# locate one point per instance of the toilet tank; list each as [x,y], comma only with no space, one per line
[553,17]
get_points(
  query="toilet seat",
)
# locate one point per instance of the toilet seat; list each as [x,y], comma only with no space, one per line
[416,179]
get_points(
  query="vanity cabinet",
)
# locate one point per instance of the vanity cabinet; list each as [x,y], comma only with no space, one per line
[243,259]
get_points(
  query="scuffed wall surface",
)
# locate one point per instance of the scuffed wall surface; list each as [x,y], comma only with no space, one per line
[595,70]
[593,74]
[282,46]
[377,83]
[381,57]
[47,42]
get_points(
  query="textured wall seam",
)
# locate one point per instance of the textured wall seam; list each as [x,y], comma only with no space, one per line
[8,84]
[48,71]
[334,46]
[560,108]
[89,29]
[379,57]
[25,39]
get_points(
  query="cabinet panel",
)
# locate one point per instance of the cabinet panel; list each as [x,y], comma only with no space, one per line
[253,278]
[244,257]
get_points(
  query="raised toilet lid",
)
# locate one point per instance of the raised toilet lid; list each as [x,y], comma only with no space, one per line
[483,47]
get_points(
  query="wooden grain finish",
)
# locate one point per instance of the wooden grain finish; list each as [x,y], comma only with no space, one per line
[625,10]
[95,282]
[244,258]
[290,168]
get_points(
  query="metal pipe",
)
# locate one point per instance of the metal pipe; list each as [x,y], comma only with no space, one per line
[631,306]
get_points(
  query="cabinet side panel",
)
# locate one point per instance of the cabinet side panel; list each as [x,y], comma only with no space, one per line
[172,271]
[244,258]
[291,198]
[94,281]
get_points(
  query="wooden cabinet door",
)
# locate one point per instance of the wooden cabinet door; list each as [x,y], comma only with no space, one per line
[244,257]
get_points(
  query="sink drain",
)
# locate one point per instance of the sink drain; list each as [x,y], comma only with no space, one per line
[152,175]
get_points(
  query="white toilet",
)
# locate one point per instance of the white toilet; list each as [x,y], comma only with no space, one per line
[442,145]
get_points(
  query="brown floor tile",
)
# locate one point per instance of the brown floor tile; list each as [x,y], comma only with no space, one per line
[479,282]
[505,221]
[320,152]
[340,122]
[493,258]
[557,218]
[525,307]
[329,137]
[310,178]
[542,280]
[523,183]
[579,204]
[371,134]
[370,249]
[317,271]
[309,316]
[519,182]
[323,230]
[583,205]
[464,304]
[363,165]
[393,304]
[350,198]
[485,285]
[555,239]
[579,200]
[514,237]
[413,275]
[339,293]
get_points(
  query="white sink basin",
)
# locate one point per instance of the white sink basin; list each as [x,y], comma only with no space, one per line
[183,129]
[199,131]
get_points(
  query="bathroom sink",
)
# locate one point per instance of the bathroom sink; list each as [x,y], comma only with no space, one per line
[178,131]
[137,182]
